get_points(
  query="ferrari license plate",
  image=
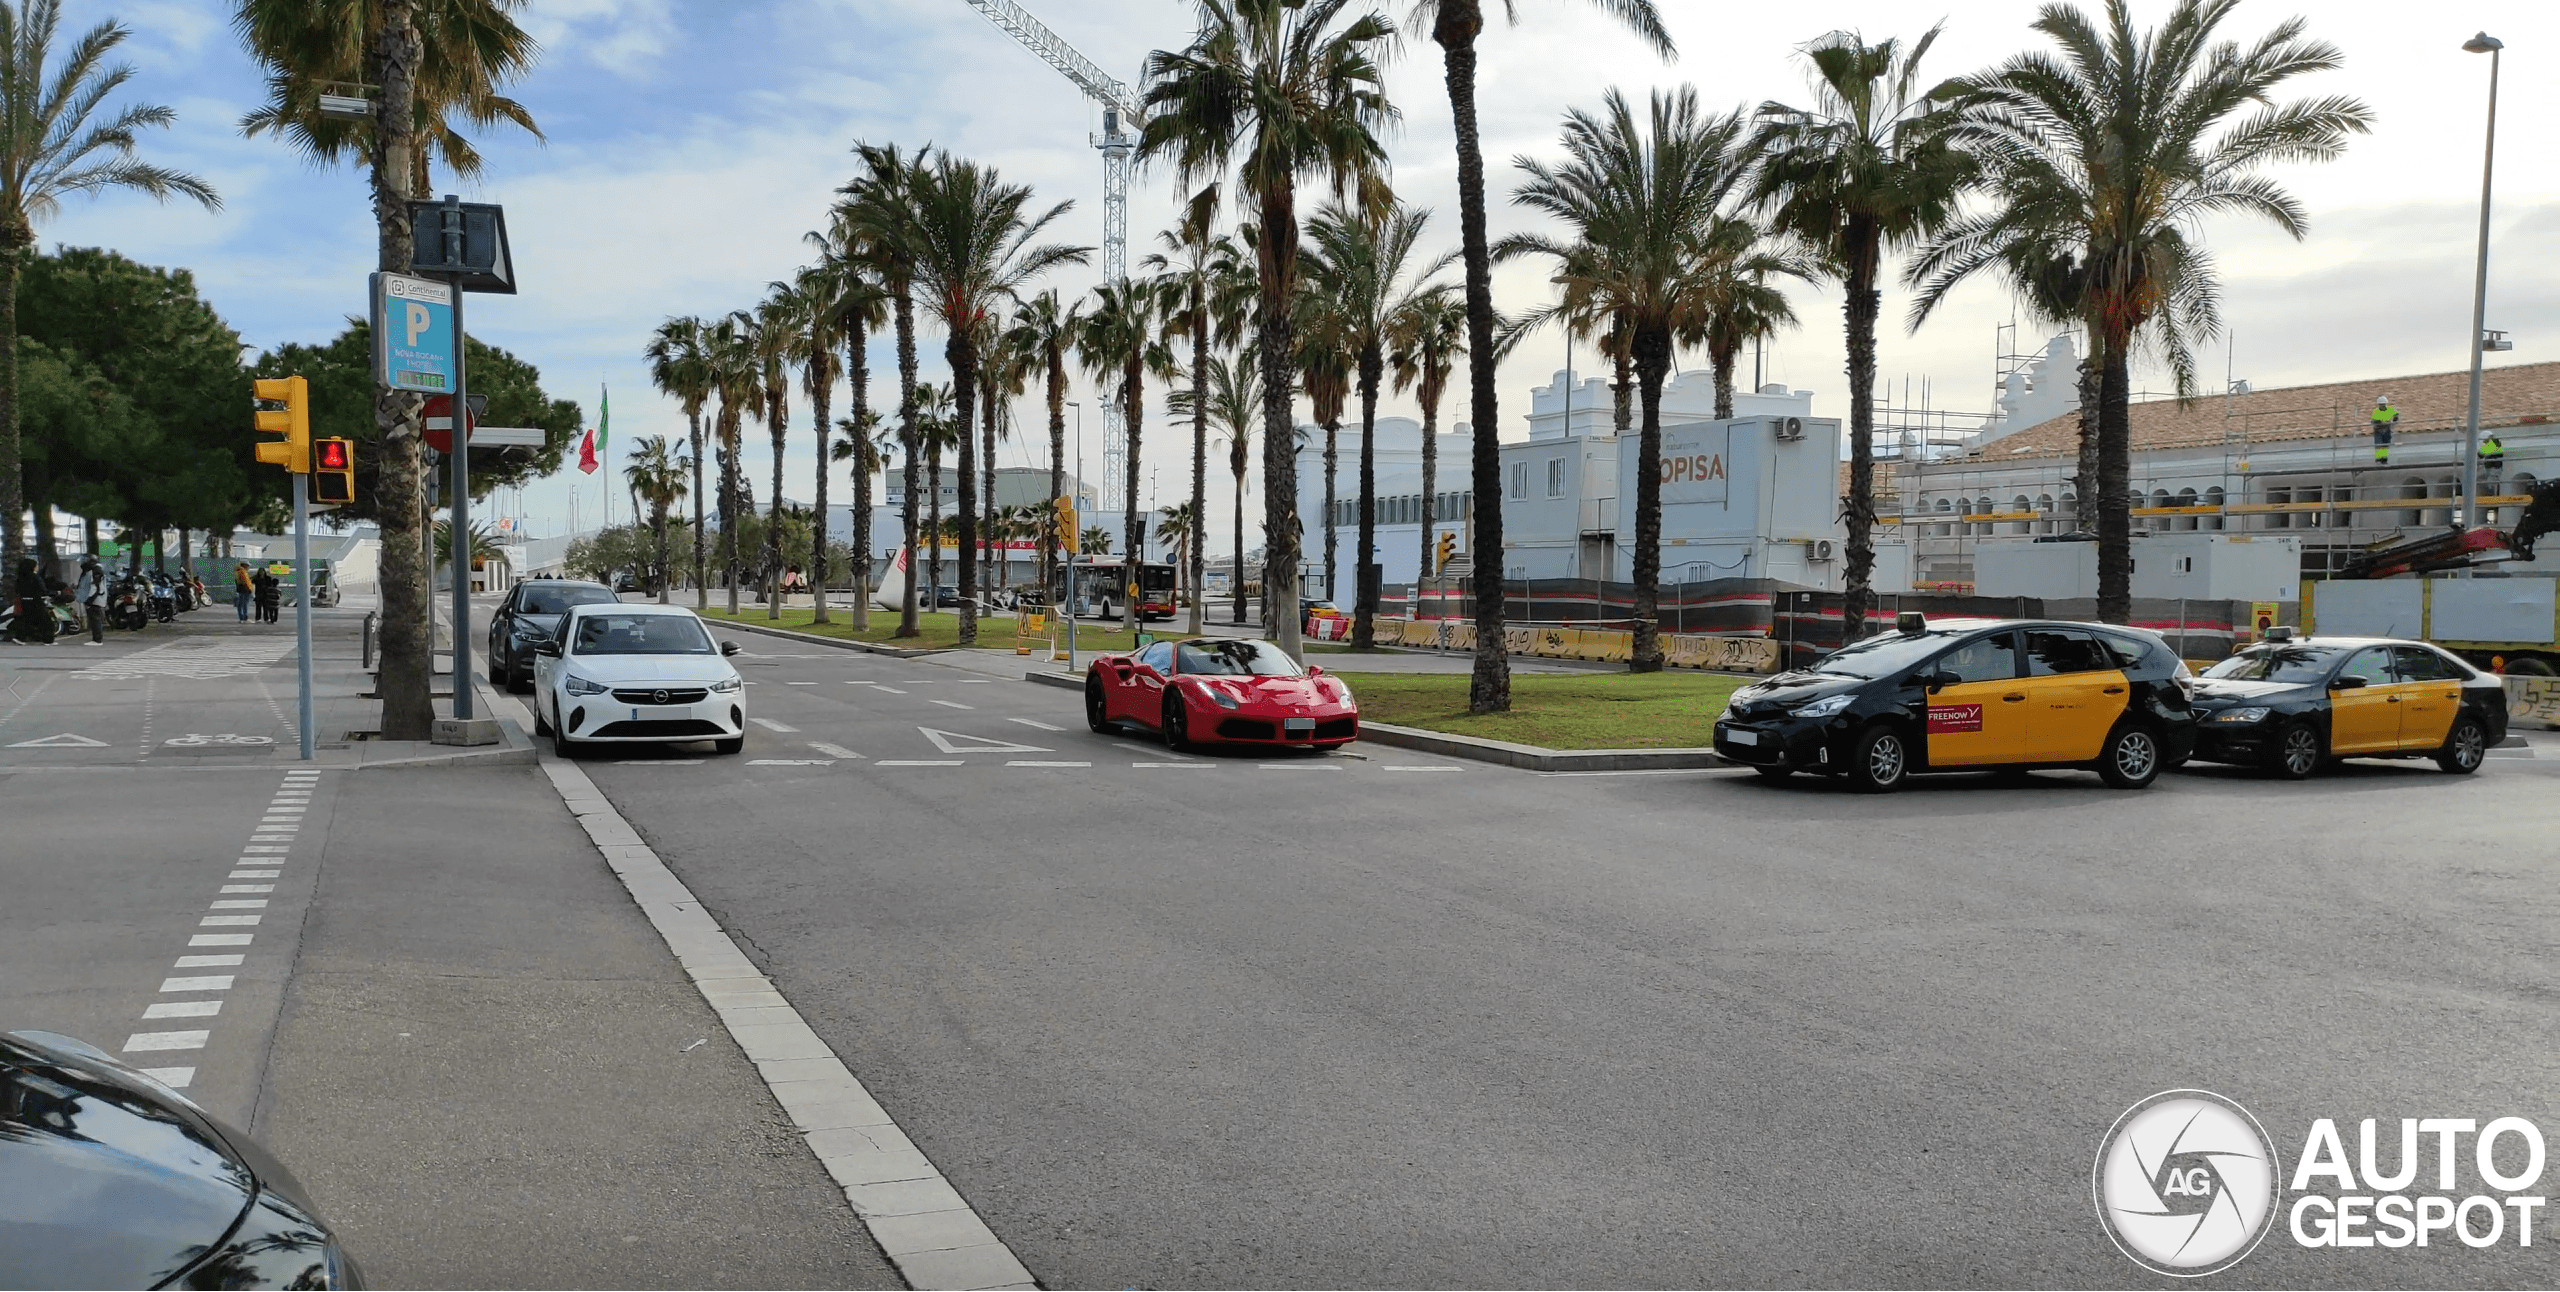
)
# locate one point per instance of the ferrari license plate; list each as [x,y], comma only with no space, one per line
[1297,724]
[1741,737]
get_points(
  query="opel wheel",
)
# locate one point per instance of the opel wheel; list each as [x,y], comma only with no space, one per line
[2131,758]
[2464,748]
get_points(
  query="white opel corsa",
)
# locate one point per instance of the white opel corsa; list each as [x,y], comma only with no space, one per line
[624,673]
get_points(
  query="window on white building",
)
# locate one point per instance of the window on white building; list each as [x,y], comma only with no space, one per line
[1555,477]
[1519,479]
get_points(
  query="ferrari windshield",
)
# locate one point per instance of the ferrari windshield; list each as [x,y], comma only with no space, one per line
[2301,663]
[1235,659]
[640,635]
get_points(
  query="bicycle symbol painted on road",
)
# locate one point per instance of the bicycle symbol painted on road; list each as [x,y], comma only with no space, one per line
[192,739]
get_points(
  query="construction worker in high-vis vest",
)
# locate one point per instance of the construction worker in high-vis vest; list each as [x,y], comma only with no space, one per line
[2385,417]
[2493,464]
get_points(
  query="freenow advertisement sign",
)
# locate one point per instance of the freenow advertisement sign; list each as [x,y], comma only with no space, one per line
[2188,1183]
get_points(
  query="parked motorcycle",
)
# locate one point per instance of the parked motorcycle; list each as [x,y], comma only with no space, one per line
[26,628]
[128,603]
[164,596]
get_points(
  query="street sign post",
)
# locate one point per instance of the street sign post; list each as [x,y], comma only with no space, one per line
[465,244]
[414,326]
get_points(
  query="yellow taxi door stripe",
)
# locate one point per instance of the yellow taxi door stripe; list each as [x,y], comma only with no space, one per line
[2070,714]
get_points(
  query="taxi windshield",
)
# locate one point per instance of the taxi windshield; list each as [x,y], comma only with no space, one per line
[1881,656]
[2304,663]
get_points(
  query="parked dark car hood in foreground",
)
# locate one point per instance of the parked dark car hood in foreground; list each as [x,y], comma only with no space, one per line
[109,1179]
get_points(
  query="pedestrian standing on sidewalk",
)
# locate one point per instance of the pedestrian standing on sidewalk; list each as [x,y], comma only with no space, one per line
[242,591]
[270,592]
[35,607]
[91,593]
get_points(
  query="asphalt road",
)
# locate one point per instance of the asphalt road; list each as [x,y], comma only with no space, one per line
[1406,1021]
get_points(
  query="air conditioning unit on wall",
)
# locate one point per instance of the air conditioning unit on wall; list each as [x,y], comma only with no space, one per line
[1817,549]
[1789,428]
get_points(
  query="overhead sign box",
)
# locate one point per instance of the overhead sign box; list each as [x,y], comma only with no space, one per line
[464,241]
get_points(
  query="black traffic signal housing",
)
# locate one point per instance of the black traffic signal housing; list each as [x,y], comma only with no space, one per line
[293,422]
[333,472]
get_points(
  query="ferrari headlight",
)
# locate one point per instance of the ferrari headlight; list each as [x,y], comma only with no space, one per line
[1217,696]
[577,685]
[1826,706]
[2245,713]
[729,684]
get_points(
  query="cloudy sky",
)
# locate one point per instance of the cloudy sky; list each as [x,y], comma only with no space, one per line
[690,143]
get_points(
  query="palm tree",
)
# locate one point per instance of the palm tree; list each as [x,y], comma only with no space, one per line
[2102,159]
[657,474]
[466,50]
[1046,328]
[1003,372]
[1095,541]
[1324,372]
[1234,400]
[1283,90]
[1868,168]
[819,292]
[1368,269]
[863,442]
[1119,341]
[938,431]
[52,149]
[680,366]
[852,284]
[1176,526]
[1189,268]
[1742,305]
[737,379]
[782,322]
[1454,26]
[879,212]
[973,239]
[1641,198]
[1426,336]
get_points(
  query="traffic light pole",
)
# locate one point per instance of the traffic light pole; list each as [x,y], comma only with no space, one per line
[458,488]
[302,607]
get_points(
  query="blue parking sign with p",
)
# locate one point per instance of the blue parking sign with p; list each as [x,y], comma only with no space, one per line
[413,333]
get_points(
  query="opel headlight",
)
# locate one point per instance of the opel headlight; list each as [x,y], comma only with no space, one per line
[2245,713]
[1826,706]
[728,684]
[577,685]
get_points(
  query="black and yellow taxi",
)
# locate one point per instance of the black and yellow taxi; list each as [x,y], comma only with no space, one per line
[1960,695]
[2292,705]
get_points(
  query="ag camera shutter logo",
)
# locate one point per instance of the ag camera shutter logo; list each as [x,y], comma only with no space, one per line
[2186,1183]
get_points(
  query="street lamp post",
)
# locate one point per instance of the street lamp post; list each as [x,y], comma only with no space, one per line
[1066,542]
[2483,43]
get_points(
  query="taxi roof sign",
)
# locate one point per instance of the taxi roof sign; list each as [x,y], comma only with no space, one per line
[1911,622]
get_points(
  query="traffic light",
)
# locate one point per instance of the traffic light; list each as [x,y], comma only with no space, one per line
[1066,522]
[1448,549]
[293,422]
[333,471]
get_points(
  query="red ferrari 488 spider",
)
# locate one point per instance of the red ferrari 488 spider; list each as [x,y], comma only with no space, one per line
[1221,690]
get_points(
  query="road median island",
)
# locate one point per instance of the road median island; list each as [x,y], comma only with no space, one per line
[935,632]
[1556,711]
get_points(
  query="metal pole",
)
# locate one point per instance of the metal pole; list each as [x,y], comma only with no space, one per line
[1067,545]
[302,607]
[460,484]
[2480,298]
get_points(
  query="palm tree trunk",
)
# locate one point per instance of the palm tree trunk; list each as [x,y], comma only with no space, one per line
[1621,387]
[407,711]
[1429,568]
[1856,597]
[701,566]
[2085,483]
[1196,569]
[906,324]
[991,571]
[658,522]
[1134,394]
[1652,362]
[2115,469]
[732,503]
[1455,31]
[933,535]
[1722,358]
[1332,513]
[1239,556]
[779,426]
[819,390]
[14,239]
[962,354]
[857,376]
[1050,539]
[1276,256]
[1364,615]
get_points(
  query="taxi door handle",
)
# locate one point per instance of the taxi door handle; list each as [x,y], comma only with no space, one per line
[2395,699]
[2013,699]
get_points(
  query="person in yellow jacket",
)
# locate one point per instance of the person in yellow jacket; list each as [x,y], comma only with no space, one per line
[2385,418]
[2493,465]
[242,591]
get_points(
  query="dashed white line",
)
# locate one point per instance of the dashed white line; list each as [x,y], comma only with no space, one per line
[918,762]
[1035,722]
[1173,764]
[1300,767]
[791,762]
[954,704]
[832,751]
[799,684]
[890,689]
[657,762]
[771,725]
[1034,762]
[1432,767]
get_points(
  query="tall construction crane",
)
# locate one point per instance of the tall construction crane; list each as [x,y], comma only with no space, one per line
[1123,115]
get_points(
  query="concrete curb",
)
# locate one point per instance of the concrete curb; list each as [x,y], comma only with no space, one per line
[1064,681]
[514,747]
[1535,758]
[787,634]
[932,1234]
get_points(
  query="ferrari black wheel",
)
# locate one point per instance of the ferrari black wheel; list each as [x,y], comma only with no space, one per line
[1093,706]
[1176,727]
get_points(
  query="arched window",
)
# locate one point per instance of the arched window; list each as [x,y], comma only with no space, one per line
[2071,506]
[1982,507]
[2044,513]
[2022,503]
[2185,498]
[1945,507]
[2213,497]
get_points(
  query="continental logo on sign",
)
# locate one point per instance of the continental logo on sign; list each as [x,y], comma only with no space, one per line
[1954,717]
[1694,466]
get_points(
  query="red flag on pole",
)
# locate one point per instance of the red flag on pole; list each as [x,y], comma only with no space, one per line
[587,460]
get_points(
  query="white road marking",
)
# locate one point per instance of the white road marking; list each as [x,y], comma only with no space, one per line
[799,684]
[1032,762]
[207,962]
[220,940]
[183,1009]
[858,681]
[203,982]
[66,740]
[953,742]
[1300,767]
[918,762]
[253,848]
[255,888]
[791,762]
[1035,722]
[1431,767]
[657,762]
[141,1041]
[1172,764]
[832,751]
[223,921]
[253,874]
[173,1078]
[771,725]
[966,681]
[954,704]
[241,904]
[890,689]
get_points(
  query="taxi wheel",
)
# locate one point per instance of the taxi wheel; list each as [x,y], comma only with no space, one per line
[1093,705]
[2465,748]
[1879,760]
[2297,753]
[2131,758]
